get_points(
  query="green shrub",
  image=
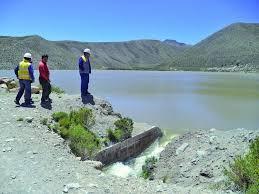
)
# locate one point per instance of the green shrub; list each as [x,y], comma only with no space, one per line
[82,117]
[65,122]
[44,121]
[74,128]
[244,171]
[59,115]
[148,167]
[126,125]
[83,142]
[57,90]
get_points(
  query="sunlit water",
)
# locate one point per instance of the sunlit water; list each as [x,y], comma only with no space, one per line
[174,101]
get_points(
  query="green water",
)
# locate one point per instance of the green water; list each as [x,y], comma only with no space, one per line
[174,101]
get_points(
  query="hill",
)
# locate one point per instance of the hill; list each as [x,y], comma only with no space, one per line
[138,54]
[234,45]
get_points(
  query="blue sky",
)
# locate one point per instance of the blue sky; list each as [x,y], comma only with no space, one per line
[186,21]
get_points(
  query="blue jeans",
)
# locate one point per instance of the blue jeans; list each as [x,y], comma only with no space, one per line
[84,83]
[24,85]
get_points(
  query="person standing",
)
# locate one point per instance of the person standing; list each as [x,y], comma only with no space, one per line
[24,72]
[44,79]
[85,70]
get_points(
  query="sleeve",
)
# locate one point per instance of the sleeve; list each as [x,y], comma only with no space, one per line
[16,70]
[90,68]
[31,72]
[81,64]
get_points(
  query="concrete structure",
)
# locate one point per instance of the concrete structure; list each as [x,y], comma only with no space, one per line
[129,148]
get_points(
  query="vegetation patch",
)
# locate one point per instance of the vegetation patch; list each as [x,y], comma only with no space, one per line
[74,127]
[123,130]
[148,168]
[244,171]
[44,121]
[57,90]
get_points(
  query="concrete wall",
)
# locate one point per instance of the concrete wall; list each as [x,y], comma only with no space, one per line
[129,148]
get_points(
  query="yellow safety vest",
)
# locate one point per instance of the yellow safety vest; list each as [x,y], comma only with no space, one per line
[84,58]
[23,72]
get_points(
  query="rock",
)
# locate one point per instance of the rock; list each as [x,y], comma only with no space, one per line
[9,140]
[11,85]
[1,81]
[206,173]
[9,149]
[4,86]
[13,177]
[212,139]
[96,164]
[181,148]
[35,90]
[34,152]
[201,153]
[213,129]
[29,119]
[13,90]
[91,185]
[71,186]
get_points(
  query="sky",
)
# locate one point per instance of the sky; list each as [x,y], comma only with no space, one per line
[187,21]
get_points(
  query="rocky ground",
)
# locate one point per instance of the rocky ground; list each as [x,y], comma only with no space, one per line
[34,159]
[234,68]
[196,159]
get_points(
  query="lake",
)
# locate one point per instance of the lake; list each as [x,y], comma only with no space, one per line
[174,101]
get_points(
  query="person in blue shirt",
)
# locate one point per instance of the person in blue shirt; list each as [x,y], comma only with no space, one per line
[24,72]
[85,70]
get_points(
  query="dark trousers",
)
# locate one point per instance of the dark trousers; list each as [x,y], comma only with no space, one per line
[25,85]
[46,89]
[84,83]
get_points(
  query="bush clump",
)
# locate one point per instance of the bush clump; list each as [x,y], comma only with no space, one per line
[244,171]
[123,130]
[59,115]
[148,167]
[57,90]
[74,127]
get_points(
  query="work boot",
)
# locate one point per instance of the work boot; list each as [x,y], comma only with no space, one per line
[17,102]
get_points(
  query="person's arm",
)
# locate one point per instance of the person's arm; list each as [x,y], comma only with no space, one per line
[31,72]
[90,69]
[81,64]
[16,70]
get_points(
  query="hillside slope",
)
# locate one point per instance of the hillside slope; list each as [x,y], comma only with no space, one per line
[237,44]
[139,54]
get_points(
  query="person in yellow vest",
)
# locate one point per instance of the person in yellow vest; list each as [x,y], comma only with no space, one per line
[24,72]
[85,70]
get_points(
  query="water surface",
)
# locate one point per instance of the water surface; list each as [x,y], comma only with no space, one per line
[175,101]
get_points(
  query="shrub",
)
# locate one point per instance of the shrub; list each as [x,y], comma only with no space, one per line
[20,119]
[59,115]
[74,128]
[82,117]
[44,121]
[82,142]
[148,167]
[57,90]
[65,122]
[123,130]
[244,171]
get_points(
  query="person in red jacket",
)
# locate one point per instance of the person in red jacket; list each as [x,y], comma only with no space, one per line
[44,79]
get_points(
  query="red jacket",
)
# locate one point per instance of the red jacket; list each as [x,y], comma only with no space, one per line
[44,70]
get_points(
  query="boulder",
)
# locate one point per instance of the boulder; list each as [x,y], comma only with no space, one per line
[96,164]
[13,90]
[35,90]
[4,86]
[1,81]
[11,84]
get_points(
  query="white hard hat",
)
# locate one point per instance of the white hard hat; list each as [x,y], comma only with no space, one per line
[87,50]
[27,55]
